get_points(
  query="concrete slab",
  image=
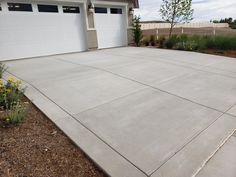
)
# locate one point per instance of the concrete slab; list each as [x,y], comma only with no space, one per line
[42,69]
[100,152]
[193,156]
[206,88]
[87,90]
[217,71]
[98,59]
[223,163]
[227,65]
[182,57]
[148,127]
[110,104]
[234,134]
[150,71]
[232,110]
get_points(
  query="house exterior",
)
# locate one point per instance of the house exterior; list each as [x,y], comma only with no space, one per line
[32,28]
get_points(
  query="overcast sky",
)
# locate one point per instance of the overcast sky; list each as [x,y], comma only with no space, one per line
[204,10]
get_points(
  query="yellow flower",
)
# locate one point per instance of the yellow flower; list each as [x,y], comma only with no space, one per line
[9,90]
[18,82]
[11,79]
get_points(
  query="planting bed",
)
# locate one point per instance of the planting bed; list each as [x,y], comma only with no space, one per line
[37,147]
[227,53]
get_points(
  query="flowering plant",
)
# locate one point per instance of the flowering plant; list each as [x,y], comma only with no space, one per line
[11,92]
[11,105]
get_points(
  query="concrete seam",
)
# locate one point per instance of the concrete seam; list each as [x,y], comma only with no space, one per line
[196,137]
[223,112]
[212,155]
[81,124]
[156,88]
[178,64]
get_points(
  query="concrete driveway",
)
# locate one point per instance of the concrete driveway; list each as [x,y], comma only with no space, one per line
[137,111]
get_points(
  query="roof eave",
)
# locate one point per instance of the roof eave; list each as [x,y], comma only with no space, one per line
[136,3]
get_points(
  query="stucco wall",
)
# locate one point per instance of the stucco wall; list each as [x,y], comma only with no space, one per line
[92,39]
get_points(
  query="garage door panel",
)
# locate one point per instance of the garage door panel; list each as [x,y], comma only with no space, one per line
[31,34]
[111,29]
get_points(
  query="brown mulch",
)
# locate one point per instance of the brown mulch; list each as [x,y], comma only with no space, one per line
[227,53]
[38,148]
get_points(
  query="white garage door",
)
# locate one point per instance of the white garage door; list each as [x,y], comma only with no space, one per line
[111,27]
[37,29]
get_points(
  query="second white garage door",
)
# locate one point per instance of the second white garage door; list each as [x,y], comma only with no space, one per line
[111,27]
[37,29]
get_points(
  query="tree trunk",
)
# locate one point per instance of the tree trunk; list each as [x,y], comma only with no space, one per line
[171,29]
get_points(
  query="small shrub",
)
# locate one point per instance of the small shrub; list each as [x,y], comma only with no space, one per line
[181,43]
[15,114]
[10,92]
[153,40]
[137,31]
[146,41]
[2,69]
[190,45]
[201,42]
[162,40]
[171,42]
[225,42]
[183,37]
[12,109]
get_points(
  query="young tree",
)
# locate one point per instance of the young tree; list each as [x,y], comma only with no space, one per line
[137,31]
[176,11]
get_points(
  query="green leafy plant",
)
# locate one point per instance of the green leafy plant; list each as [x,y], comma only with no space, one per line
[137,31]
[10,92]
[12,108]
[221,42]
[201,43]
[176,11]
[16,113]
[153,40]
[171,42]
[3,68]
[161,41]
[146,41]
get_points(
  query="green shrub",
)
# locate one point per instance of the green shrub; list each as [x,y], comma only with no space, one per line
[137,31]
[222,43]
[145,41]
[183,38]
[16,113]
[2,69]
[13,110]
[153,40]
[171,42]
[10,92]
[181,42]
[162,40]
[200,43]
[191,46]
